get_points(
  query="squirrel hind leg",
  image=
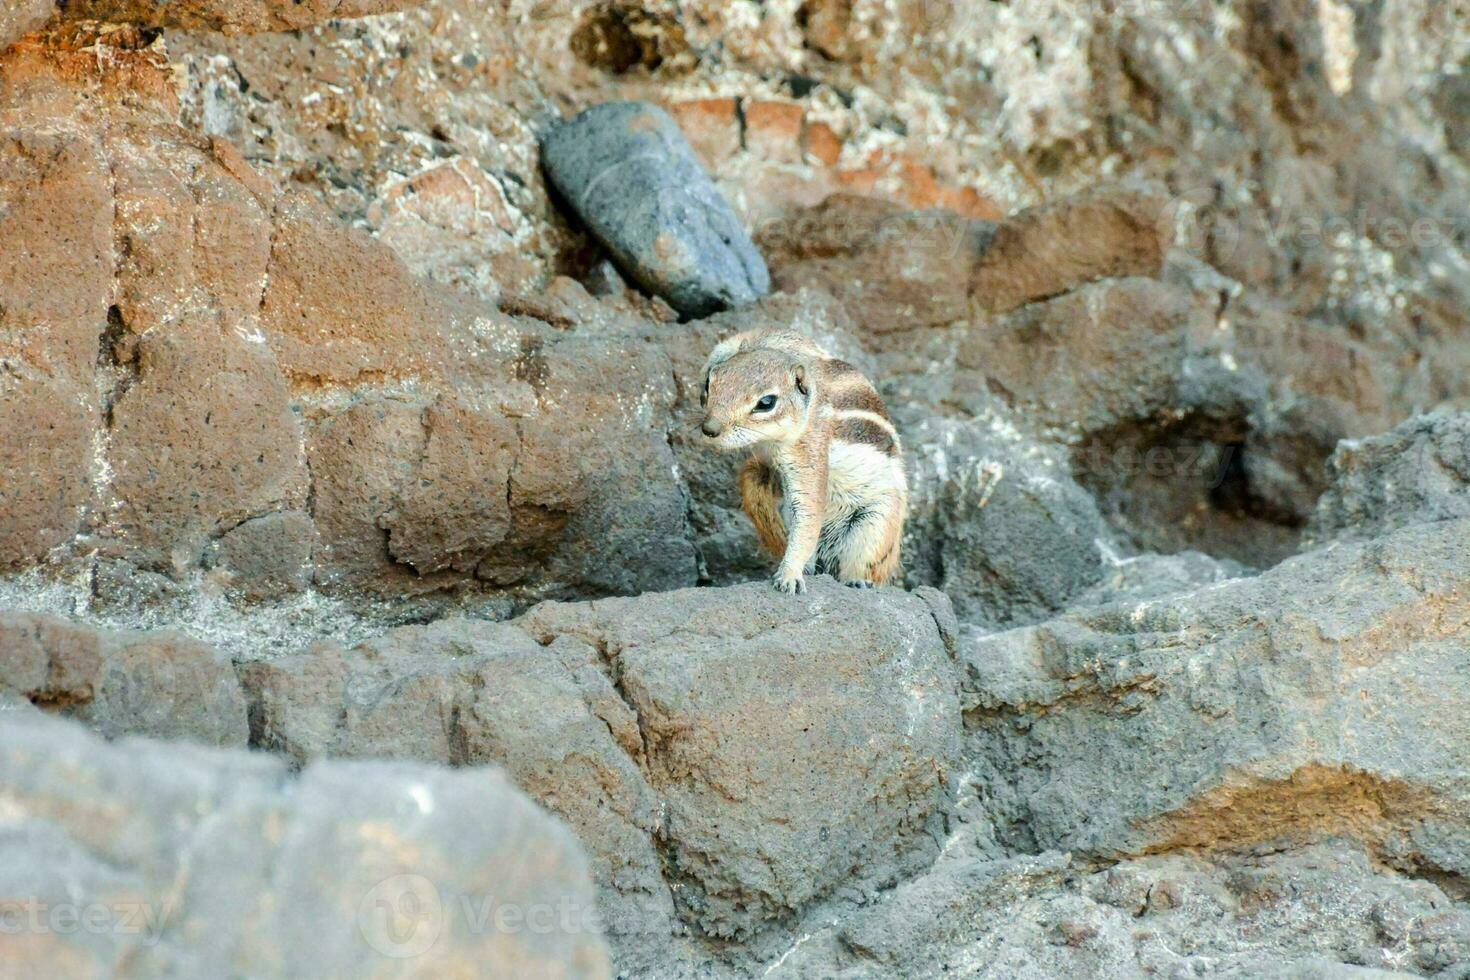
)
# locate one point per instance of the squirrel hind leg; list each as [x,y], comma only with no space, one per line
[868,550]
[760,495]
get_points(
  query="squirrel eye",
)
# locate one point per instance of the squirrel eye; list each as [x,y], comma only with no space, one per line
[766,403]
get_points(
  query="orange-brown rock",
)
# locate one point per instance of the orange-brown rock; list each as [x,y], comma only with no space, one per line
[337,308]
[228,16]
[187,352]
[827,27]
[822,144]
[1106,352]
[893,269]
[773,130]
[48,410]
[712,127]
[1057,247]
[47,426]
[56,274]
[902,178]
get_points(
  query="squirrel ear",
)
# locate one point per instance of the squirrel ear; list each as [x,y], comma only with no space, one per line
[801,384]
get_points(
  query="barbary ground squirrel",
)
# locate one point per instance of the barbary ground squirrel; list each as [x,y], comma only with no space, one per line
[825,482]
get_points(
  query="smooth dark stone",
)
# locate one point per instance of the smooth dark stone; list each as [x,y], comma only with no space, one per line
[630,175]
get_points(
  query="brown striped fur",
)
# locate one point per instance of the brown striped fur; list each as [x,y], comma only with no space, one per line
[865,431]
[857,397]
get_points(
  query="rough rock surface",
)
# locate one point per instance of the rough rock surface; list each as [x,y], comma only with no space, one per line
[227,16]
[311,387]
[219,357]
[998,523]
[1275,707]
[841,710]
[20,16]
[604,711]
[1324,911]
[629,173]
[159,684]
[893,270]
[1417,473]
[147,859]
[269,556]
[1148,576]
[1053,249]
[463,692]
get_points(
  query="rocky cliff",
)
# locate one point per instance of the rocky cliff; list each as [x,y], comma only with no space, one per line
[328,431]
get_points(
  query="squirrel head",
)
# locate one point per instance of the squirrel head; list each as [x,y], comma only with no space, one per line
[754,397]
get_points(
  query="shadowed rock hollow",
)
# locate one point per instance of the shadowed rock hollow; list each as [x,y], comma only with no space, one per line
[328,431]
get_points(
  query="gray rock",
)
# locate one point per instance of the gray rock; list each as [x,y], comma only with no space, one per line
[266,557]
[1322,698]
[143,859]
[1321,912]
[1416,473]
[118,584]
[997,522]
[1452,100]
[468,692]
[1139,577]
[938,910]
[161,684]
[631,176]
[796,746]
[741,751]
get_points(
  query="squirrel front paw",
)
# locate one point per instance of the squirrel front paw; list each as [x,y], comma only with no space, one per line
[861,583]
[785,582]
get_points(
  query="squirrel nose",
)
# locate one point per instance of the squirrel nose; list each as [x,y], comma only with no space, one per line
[710,428]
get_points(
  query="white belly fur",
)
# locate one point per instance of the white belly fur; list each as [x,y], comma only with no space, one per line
[859,475]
